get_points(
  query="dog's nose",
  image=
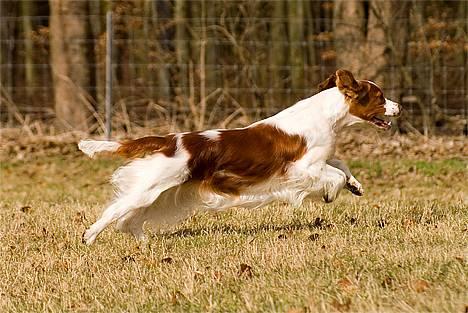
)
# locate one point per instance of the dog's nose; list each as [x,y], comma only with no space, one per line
[400,108]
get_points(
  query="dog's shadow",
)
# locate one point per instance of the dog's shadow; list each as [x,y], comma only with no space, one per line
[318,223]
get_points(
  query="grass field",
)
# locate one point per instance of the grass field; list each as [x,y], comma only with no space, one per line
[403,247]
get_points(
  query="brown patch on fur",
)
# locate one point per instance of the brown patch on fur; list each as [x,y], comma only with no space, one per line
[148,145]
[365,99]
[240,158]
[328,83]
[367,102]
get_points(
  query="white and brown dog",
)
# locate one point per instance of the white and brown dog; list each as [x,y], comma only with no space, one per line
[286,157]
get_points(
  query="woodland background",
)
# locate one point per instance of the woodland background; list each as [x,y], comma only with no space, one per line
[201,63]
[182,65]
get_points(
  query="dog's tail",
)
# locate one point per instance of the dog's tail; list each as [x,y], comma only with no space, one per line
[130,148]
[93,147]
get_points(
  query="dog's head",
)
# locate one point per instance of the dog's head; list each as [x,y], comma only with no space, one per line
[364,98]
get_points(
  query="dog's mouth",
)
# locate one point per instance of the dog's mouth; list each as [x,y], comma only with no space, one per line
[380,122]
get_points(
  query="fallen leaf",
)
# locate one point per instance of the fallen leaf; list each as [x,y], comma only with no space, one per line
[387,282]
[282,236]
[197,275]
[128,258]
[245,271]
[25,209]
[460,259]
[176,296]
[217,275]
[345,284]
[353,220]
[314,237]
[342,306]
[408,223]
[420,285]
[167,260]
[318,223]
[80,217]
[382,223]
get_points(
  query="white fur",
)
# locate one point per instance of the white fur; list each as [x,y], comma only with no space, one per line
[391,108]
[155,189]
[211,134]
[92,147]
[139,184]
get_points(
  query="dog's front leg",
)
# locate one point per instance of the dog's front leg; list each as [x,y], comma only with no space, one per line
[333,181]
[352,184]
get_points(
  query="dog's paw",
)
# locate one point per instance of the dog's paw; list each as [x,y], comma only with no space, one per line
[331,194]
[354,186]
[327,198]
[88,237]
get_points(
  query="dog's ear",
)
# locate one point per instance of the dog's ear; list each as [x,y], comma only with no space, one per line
[328,83]
[346,83]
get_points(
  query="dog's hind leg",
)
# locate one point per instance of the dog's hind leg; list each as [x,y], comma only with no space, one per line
[130,205]
[140,182]
[116,210]
[107,217]
[171,207]
[133,223]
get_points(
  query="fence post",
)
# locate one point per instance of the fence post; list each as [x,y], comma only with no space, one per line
[108,74]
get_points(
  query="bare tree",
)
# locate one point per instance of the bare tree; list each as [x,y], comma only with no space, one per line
[296,37]
[371,37]
[69,61]
[27,11]
[349,29]
[181,45]
[7,51]
[277,53]
[161,12]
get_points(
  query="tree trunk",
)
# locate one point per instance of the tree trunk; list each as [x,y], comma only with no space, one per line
[161,10]
[8,31]
[387,38]
[70,67]
[211,60]
[312,74]
[296,37]
[377,41]
[277,53]
[349,28]
[122,51]
[181,47]
[97,29]
[27,12]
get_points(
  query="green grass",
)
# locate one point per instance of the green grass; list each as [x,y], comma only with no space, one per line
[402,247]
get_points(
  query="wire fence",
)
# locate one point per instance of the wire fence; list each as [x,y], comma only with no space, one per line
[226,67]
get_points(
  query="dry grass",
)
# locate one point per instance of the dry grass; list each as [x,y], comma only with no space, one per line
[402,247]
